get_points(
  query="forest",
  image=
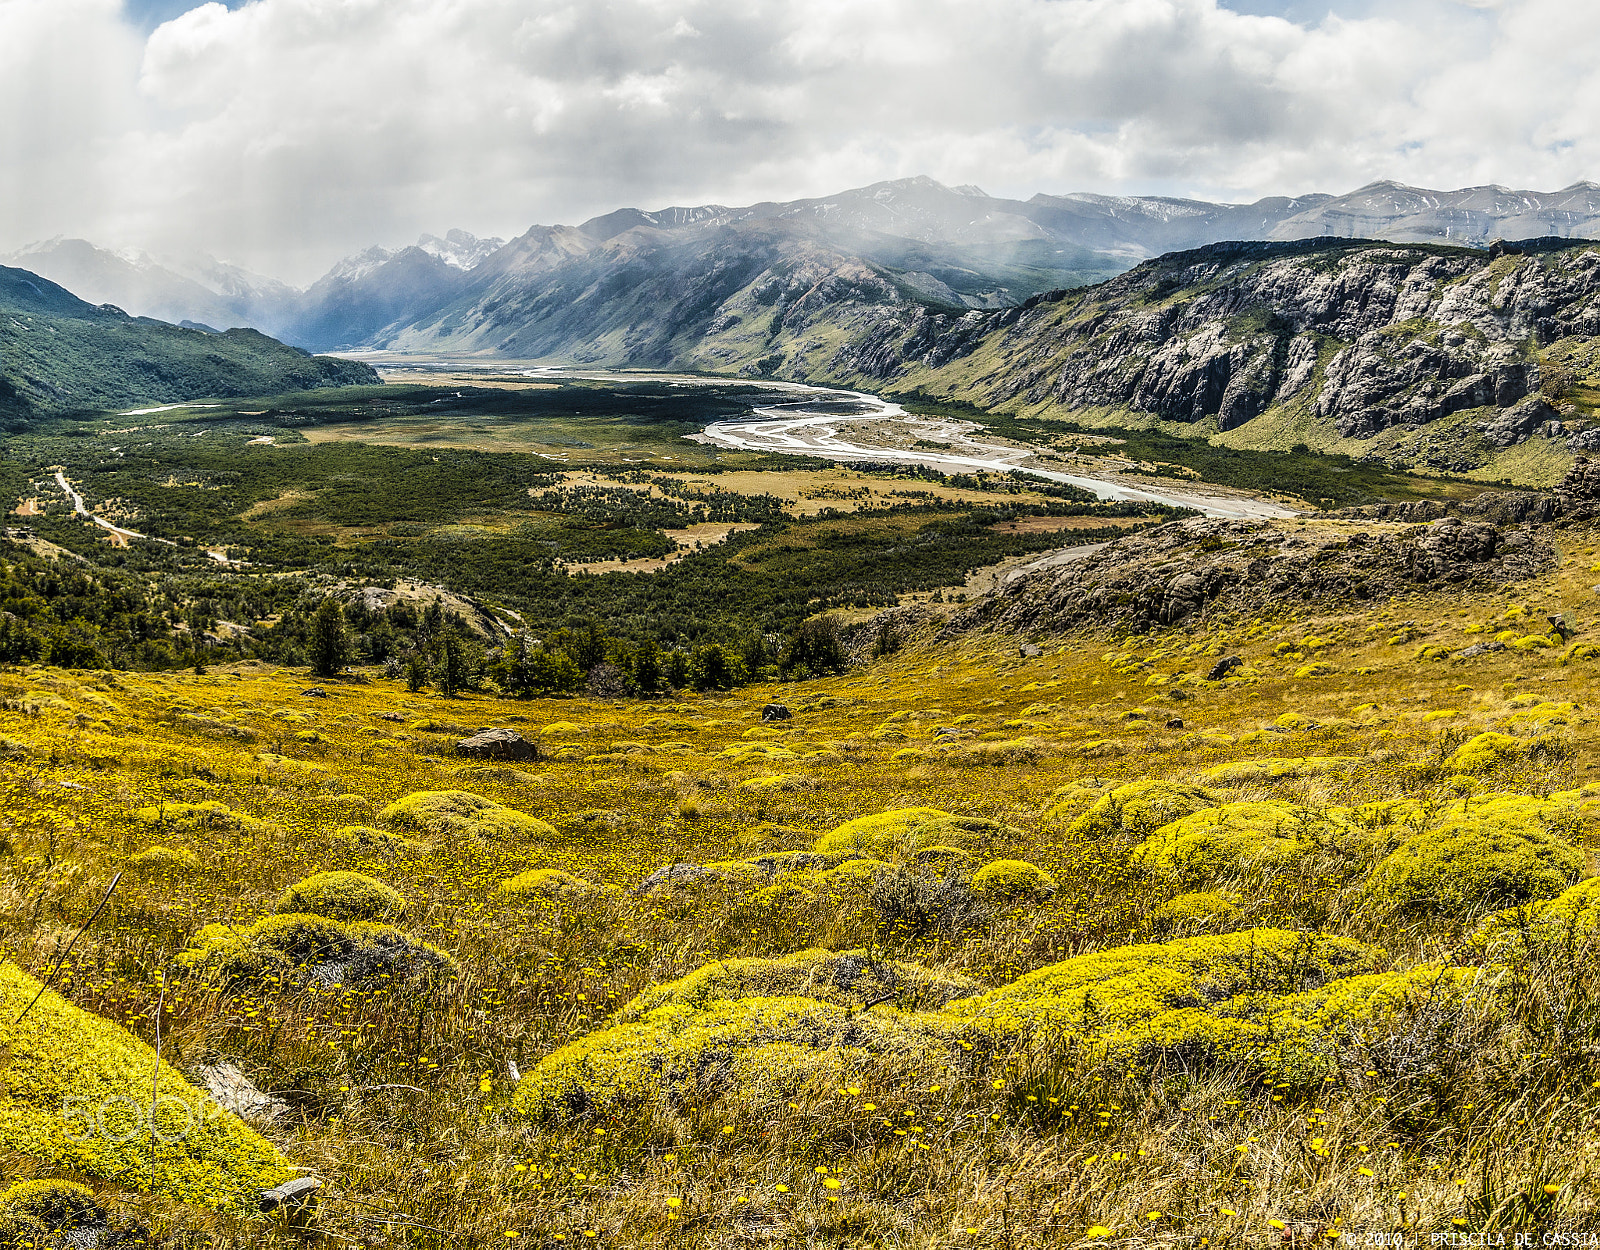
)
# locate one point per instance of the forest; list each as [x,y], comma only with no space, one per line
[250,526]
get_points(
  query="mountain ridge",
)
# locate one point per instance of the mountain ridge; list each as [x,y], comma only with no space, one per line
[1418,353]
[998,251]
[60,353]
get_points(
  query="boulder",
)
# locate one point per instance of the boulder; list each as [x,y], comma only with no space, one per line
[316,692]
[498,744]
[1030,651]
[1224,666]
[775,711]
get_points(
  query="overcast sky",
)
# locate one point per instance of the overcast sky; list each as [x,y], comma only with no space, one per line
[282,134]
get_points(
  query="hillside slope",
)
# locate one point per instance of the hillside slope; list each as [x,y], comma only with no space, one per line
[1240,928]
[1417,353]
[59,353]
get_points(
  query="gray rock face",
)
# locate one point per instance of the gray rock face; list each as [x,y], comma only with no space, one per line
[498,744]
[775,711]
[235,1092]
[1518,422]
[1175,572]
[1365,336]
[1223,667]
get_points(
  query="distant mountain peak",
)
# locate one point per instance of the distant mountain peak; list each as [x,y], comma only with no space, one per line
[460,249]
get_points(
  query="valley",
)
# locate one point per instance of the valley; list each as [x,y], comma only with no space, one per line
[1106,768]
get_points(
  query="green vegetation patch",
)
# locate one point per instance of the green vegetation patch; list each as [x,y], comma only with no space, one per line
[342,896]
[1012,880]
[1138,809]
[1252,837]
[1277,1000]
[906,830]
[1495,853]
[291,947]
[76,1092]
[460,813]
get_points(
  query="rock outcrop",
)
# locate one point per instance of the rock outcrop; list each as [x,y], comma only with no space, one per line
[1365,336]
[498,744]
[1178,572]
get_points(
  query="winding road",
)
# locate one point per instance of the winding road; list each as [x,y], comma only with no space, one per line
[119,535]
[803,428]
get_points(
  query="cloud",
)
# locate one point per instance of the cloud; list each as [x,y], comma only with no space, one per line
[282,133]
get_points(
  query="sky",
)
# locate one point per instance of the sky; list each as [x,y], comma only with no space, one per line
[283,134]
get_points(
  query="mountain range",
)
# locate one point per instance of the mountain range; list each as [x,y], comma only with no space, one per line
[714,286]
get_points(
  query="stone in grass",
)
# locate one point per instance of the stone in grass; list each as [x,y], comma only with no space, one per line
[236,1092]
[775,711]
[498,744]
[1223,667]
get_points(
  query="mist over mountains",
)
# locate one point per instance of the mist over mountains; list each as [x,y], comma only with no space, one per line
[715,286]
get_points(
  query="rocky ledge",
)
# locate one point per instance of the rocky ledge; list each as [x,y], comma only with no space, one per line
[1178,572]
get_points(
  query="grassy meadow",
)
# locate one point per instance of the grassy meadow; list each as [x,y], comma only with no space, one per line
[1080,949]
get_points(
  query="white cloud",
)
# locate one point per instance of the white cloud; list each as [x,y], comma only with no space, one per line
[285,132]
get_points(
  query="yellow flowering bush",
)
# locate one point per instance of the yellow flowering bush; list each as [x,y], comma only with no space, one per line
[1012,880]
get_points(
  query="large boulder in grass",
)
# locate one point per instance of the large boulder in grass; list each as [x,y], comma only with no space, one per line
[498,744]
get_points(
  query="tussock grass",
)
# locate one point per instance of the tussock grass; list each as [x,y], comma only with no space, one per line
[400,1092]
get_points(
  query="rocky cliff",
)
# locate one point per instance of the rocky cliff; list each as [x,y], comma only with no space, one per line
[1194,569]
[1359,337]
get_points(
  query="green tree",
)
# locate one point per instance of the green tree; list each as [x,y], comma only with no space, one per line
[712,668]
[815,650]
[458,662]
[75,644]
[647,667]
[416,674]
[589,647]
[330,643]
[553,672]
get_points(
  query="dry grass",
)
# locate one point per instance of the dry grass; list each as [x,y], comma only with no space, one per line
[1496,1105]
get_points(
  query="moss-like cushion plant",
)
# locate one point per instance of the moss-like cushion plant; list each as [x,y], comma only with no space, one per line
[1008,880]
[1139,808]
[341,896]
[460,813]
[1494,854]
[906,830]
[1236,837]
[1279,1001]
[76,1092]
